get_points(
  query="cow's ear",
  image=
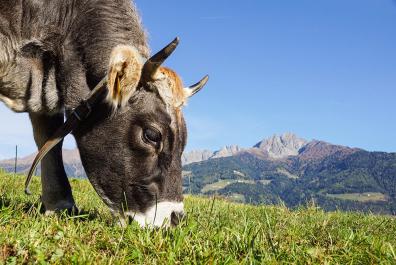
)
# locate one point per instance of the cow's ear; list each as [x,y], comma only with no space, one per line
[124,74]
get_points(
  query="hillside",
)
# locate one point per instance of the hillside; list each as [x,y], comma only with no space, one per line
[215,232]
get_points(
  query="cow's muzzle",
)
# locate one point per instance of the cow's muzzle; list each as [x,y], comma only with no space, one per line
[162,214]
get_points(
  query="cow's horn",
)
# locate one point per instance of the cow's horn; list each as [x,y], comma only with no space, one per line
[151,66]
[192,90]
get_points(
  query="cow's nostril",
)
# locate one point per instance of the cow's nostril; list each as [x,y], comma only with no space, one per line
[176,218]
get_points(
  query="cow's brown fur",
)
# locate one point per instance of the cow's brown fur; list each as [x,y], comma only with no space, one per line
[175,84]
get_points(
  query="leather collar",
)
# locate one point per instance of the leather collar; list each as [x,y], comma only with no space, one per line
[78,115]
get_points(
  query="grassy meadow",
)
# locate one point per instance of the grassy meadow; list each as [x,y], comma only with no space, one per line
[215,232]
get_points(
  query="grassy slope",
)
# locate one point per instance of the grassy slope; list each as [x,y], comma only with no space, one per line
[216,232]
[361,197]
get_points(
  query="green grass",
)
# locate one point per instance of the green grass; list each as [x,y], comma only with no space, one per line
[235,197]
[221,184]
[361,197]
[216,232]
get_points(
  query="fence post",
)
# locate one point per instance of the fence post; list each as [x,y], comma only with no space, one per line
[16,159]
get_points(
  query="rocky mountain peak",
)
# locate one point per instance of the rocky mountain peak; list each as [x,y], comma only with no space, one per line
[202,155]
[227,151]
[281,146]
[316,150]
[196,156]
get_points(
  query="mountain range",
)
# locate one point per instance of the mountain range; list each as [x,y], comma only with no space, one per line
[275,147]
[289,170]
[283,169]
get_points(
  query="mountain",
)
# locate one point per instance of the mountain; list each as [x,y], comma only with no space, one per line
[281,146]
[196,156]
[202,155]
[227,151]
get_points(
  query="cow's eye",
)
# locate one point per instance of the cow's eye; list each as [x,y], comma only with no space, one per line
[152,136]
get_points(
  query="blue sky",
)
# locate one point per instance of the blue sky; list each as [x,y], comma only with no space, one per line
[321,69]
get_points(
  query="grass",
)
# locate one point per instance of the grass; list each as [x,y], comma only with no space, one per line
[216,232]
[236,197]
[361,197]
[221,184]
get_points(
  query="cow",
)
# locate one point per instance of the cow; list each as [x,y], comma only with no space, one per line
[89,61]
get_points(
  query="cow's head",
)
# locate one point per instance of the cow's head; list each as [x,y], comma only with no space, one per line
[132,142]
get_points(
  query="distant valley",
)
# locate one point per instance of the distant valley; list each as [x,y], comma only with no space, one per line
[281,169]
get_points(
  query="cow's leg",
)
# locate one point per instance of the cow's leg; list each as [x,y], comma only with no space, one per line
[56,190]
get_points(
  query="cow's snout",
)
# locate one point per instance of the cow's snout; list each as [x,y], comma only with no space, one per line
[162,214]
[177,217]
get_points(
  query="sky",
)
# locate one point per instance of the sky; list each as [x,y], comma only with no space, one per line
[324,70]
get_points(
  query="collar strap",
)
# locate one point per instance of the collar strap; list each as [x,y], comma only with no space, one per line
[77,116]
